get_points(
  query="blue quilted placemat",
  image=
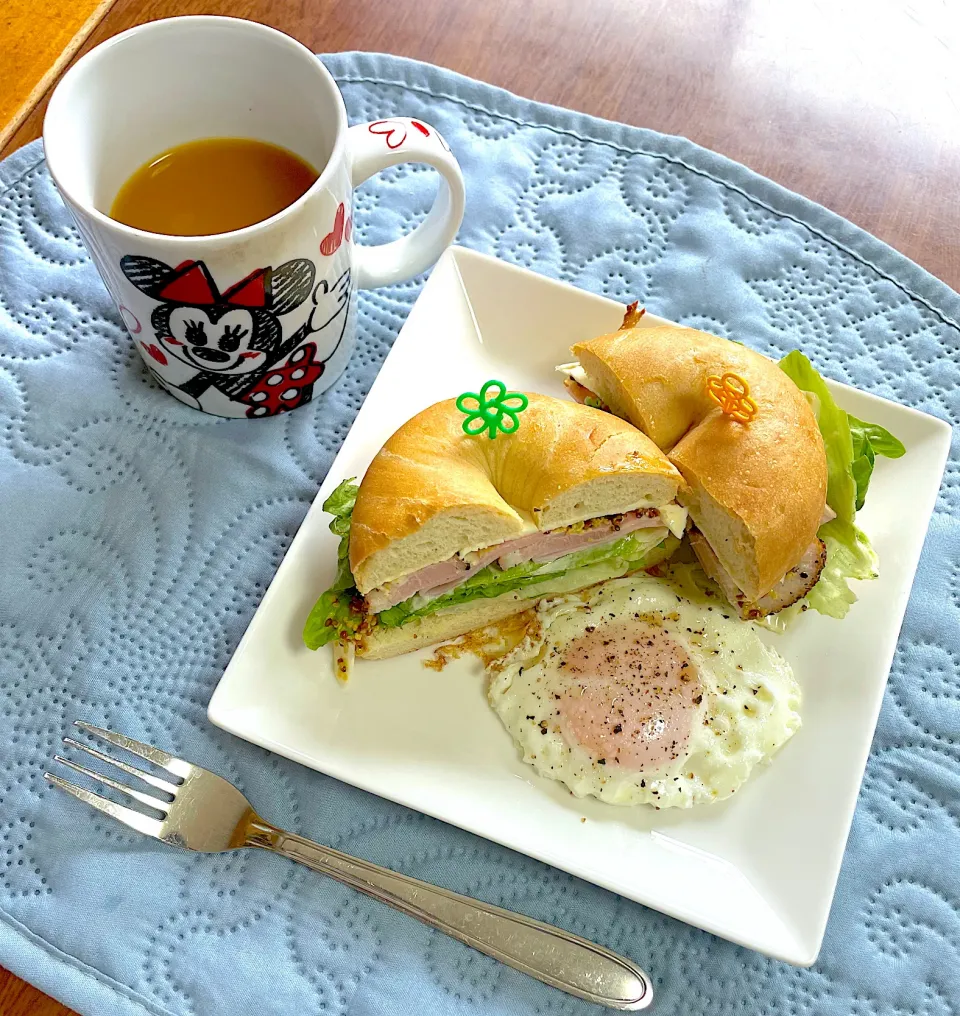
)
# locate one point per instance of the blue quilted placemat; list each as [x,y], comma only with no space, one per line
[139,536]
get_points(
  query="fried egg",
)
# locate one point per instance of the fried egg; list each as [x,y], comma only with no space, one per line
[636,694]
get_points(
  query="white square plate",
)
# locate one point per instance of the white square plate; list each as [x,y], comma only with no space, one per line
[759,869]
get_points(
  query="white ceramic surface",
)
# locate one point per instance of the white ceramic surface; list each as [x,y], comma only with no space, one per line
[759,869]
[255,321]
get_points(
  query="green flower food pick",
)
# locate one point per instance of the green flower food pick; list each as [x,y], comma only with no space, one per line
[494,410]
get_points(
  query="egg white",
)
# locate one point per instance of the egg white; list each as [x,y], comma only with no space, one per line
[747,712]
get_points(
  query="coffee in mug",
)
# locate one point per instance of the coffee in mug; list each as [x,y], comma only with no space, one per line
[213,185]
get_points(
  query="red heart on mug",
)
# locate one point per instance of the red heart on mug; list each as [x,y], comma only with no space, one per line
[330,244]
[156,352]
[348,227]
[423,130]
[395,131]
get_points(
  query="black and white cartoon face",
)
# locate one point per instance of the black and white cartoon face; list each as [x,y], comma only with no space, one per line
[230,333]
[233,343]
[214,339]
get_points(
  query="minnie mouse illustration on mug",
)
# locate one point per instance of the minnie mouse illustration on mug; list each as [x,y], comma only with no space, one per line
[224,352]
[262,317]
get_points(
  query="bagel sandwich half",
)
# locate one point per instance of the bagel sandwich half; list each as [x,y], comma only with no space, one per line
[768,498]
[449,532]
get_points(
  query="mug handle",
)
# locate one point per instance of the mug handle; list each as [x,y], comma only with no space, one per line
[373,148]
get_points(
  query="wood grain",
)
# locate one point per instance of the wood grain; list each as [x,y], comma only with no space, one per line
[35,51]
[17,998]
[855,104]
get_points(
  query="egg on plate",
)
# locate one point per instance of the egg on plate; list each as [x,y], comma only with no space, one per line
[637,694]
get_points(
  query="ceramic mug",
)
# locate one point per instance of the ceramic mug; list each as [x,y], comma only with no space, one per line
[256,321]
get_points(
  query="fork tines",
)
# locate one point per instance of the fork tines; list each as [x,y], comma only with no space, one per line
[135,819]
[155,755]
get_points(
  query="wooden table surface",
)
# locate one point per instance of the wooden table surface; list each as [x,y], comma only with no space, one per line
[855,103]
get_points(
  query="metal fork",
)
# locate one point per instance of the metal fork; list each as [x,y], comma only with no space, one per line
[204,812]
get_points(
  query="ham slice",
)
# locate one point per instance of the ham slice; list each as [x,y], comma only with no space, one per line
[583,395]
[801,578]
[437,579]
[543,547]
[445,574]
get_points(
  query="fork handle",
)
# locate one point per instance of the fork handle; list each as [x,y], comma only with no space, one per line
[549,954]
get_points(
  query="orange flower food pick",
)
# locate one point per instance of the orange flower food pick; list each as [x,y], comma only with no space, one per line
[732,394]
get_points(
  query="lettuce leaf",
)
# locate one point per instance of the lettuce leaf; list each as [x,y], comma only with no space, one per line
[835,427]
[338,613]
[640,549]
[869,441]
[849,556]
[851,446]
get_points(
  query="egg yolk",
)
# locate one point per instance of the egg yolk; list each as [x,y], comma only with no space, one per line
[630,695]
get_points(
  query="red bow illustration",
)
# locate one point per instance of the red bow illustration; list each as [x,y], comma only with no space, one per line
[193,284]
